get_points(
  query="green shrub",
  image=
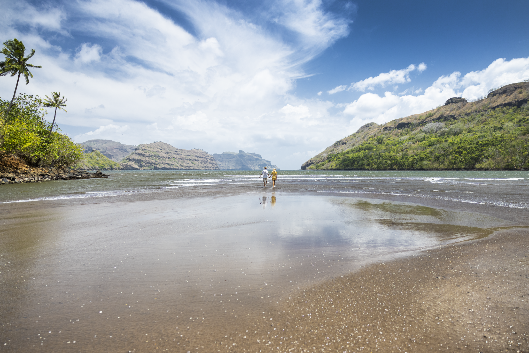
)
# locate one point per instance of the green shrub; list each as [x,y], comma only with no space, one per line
[26,134]
[96,161]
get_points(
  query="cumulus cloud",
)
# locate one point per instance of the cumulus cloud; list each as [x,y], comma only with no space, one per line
[387,78]
[88,53]
[499,73]
[107,130]
[337,89]
[476,84]
[299,114]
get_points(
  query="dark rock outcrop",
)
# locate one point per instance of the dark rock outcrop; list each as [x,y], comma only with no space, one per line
[14,170]
[508,90]
[401,126]
[455,100]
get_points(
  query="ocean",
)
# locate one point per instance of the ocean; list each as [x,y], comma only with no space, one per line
[508,189]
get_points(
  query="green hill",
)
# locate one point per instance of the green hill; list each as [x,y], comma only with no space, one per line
[488,134]
[96,161]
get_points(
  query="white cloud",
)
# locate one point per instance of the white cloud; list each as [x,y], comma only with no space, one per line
[107,130]
[299,114]
[337,89]
[21,12]
[382,109]
[370,105]
[499,73]
[88,53]
[316,28]
[387,78]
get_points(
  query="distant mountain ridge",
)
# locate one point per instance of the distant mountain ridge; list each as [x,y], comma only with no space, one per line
[488,134]
[115,151]
[241,161]
[163,156]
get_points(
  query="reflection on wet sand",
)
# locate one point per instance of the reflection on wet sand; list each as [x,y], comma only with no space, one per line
[263,200]
[184,274]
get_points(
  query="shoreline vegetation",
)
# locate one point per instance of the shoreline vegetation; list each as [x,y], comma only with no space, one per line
[30,149]
[14,171]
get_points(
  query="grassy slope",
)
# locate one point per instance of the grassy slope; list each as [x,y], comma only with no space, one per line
[96,161]
[489,134]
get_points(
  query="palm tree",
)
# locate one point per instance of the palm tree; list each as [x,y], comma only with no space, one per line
[16,64]
[56,102]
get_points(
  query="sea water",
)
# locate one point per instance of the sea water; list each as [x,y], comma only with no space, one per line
[496,188]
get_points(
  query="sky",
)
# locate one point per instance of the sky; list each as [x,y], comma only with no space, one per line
[282,78]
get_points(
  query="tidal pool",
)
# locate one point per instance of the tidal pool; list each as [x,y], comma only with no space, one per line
[126,276]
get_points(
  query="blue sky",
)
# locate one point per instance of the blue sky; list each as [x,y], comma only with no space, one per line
[283,78]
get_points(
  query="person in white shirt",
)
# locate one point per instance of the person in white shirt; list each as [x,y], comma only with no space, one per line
[264,175]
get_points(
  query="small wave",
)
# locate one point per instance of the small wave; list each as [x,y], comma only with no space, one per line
[64,197]
[198,181]
[190,184]
[494,179]
[87,195]
[498,203]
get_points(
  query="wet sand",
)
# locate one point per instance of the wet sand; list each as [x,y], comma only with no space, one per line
[139,276]
[470,297]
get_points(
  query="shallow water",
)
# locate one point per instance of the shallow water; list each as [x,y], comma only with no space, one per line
[125,276]
[505,189]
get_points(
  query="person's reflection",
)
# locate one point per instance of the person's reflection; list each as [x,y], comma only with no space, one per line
[273,200]
[263,201]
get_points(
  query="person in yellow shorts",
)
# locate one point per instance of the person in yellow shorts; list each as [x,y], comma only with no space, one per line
[274,177]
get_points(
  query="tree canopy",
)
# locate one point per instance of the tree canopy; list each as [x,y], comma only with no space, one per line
[57,102]
[23,130]
[15,64]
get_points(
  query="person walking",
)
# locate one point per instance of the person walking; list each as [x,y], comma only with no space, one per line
[264,175]
[274,177]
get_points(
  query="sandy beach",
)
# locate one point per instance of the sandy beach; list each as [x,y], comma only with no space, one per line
[470,297]
[253,270]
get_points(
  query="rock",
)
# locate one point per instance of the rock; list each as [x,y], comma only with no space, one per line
[367,126]
[455,100]
[36,175]
[508,90]
[403,125]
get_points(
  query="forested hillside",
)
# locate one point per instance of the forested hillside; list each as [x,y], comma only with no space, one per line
[488,134]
